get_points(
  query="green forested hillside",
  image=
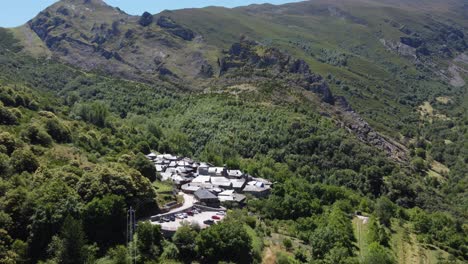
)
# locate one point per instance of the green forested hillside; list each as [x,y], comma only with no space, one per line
[73,137]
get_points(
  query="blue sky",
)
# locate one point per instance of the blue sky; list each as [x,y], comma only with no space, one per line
[17,12]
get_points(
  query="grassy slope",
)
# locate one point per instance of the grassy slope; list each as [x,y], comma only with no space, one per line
[403,242]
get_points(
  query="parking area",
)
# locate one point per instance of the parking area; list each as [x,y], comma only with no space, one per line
[196,218]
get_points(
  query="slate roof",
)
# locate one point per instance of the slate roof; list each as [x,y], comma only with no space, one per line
[203,194]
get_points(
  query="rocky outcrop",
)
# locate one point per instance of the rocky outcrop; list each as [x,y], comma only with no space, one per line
[146,19]
[172,27]
[364,132]
[400,48]
[412,42]
[251,59]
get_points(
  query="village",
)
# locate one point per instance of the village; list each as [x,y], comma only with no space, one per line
[205,189]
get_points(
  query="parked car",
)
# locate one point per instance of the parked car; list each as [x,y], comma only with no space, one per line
[172,218]
[180,216]
[221,213]
[166,219]
[184,215]
[208,222]
[215,217]
[190,213]
[161,220]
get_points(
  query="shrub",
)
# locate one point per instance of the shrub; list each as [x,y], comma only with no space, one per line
[287,243]
[24,160]
[57,130]
[7,117]
[37,136]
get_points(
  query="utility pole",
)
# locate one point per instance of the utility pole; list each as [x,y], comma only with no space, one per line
[131,228]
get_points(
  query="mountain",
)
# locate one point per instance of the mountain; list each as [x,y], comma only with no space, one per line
[355,109]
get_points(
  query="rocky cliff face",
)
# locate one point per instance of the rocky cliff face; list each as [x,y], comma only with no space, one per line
[94,36]
[252,59]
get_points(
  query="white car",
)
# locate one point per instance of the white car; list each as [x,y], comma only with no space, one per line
[221,213]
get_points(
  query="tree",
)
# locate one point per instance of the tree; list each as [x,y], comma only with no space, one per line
[287,243]
[419,164]
[377,254]
[4,164]
[8,140]
[24,160]
[144,166]
[377,233]
[149,242]
[74,240]
[57,130]
[21,251]
[227,241]
[53,202]
[385,210]
[95,113]
[171,252]
[69,246]
[104,220]
[7,117]
[119,180]
[184,239]
[374,179]
[119,255]
[37,136]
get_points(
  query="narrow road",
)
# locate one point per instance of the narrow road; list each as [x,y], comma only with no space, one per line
[189,200]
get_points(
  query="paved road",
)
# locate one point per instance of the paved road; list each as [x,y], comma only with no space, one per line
[189,200]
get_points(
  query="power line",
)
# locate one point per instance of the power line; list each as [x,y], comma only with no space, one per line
[131,229]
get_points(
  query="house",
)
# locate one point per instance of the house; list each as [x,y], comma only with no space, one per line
[171,170]
[207,198]
[160,168]
[264,181]
[193,187]
[235,174]
[202,179]
[203,169]
[170,157]
[190,188]
[151,156]
[159,161]
[221,182]
[181,170]
[238,184]
[180,180]
[231,196]
[217,171]
[256,190]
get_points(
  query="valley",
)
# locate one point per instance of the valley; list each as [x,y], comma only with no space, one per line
[352,109]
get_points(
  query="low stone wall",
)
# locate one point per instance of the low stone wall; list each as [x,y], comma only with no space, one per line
[209,209]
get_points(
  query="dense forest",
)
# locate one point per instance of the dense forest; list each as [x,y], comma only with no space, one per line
[72,146]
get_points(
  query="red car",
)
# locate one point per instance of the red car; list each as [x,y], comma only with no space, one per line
[215,217]
[190,213]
